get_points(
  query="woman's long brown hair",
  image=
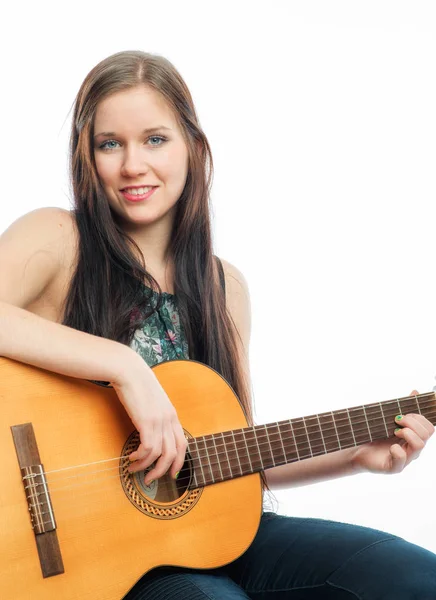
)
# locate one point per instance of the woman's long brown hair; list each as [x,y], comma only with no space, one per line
[107,296]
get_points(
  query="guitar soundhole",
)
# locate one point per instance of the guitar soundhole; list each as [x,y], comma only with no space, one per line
[164,489]
[165,498]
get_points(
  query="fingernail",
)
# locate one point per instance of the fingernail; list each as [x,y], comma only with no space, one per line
[398,417]
[397,429]
[148,483]
[177,474]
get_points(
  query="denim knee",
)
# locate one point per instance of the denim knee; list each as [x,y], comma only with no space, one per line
[389,569]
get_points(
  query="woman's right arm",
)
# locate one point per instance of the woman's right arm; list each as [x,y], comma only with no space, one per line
[31,257]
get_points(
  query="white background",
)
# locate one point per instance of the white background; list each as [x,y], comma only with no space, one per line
[321,119]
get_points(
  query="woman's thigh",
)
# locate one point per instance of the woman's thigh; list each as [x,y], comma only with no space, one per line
[294,558]
[302,559]
[181,584]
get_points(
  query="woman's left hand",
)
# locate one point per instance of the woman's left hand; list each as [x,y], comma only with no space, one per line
[388,456]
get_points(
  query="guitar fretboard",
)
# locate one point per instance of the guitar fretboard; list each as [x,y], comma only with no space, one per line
[230,454]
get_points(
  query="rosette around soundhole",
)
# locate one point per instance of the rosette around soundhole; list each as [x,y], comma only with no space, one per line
[165,498]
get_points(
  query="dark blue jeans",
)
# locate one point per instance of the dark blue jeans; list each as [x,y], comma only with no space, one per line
[292,558]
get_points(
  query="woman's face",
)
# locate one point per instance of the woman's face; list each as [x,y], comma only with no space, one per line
[138,144]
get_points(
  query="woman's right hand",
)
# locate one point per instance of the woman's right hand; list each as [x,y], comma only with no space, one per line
[161,435]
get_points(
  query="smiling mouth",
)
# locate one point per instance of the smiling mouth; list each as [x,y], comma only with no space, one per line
[138,194]
[138,191]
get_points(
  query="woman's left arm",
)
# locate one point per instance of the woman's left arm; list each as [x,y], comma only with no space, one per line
[384,456]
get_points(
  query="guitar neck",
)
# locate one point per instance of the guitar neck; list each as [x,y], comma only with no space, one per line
[230,454]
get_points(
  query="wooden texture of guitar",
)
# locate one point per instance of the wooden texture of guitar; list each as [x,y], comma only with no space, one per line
[82,527]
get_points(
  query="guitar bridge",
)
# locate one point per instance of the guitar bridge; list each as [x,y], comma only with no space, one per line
[38,499]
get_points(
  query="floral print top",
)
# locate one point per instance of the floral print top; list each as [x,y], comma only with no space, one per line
[161,336]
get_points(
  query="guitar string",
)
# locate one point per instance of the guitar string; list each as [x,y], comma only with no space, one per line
[164,486]
[279,438]
[242,461]
[231,469]
[290,422]
[100,489]
[260,434]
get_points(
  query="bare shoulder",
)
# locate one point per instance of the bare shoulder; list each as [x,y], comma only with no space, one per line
[45,235]
[46,217]
[41,227]
[236,284]
[33,250]
[238,299]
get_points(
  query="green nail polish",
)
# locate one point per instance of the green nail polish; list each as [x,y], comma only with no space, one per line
[397,429]
[177,474]
[398,417]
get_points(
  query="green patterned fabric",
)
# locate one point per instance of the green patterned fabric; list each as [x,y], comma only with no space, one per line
[161,335]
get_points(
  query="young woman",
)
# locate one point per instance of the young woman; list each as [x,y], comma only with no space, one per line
[128,279]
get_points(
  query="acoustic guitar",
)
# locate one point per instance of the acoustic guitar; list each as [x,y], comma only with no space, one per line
[75,524]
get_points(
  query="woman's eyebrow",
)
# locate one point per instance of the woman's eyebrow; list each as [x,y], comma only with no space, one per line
[148,130]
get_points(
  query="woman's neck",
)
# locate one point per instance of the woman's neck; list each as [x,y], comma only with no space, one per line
[154,243]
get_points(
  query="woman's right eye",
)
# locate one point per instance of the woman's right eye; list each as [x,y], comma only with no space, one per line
[108,145]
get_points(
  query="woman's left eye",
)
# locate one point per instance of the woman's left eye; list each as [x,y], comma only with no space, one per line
[157,137]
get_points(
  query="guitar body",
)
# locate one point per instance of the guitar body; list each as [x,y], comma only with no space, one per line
[109,534]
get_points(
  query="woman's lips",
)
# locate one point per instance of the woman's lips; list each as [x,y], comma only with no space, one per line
[137,197]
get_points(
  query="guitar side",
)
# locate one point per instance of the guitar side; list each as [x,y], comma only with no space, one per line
[107,543]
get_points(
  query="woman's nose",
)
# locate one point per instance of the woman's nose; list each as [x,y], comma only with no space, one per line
[134,163]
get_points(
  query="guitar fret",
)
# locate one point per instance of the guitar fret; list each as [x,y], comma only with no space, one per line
[206,469]
[367,424]
[281,440]
[377,423]
[308,438]
[344,428]
[384,420]
[268,457]
[408,405]
[211,466]
[199,462]
[389,413]
[193,454]
[237,453]
[295,441]
[328,424]
[351,426]
[336,429]
[232,454]
[288,441]
[218,458]
[213,459]
[322,436]
[301,439]
[225,454]
[315,436]
[258,447]
[248,451]
[276,444]
[360,434]
[255,455]
[243,453]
